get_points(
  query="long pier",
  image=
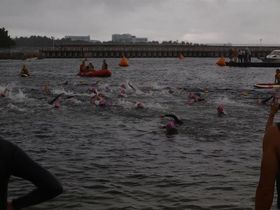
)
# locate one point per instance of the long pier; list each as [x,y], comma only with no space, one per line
[147,50]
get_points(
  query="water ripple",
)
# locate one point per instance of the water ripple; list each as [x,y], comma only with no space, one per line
[118,157]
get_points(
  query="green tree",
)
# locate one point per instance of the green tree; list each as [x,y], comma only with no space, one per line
[5,39]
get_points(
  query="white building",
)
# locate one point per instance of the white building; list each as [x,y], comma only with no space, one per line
[140,40]
[127,38]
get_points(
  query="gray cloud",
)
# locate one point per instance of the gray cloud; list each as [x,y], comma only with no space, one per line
[219,21]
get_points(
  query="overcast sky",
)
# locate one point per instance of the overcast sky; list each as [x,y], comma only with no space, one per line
[200,21]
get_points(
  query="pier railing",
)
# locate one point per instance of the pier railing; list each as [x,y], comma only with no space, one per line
[148,50]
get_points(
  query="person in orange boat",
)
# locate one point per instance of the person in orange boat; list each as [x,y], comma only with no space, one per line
[104,65]
[91,67]
[83,66]
[270,163]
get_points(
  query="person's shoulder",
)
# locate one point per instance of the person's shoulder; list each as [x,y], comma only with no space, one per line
[3,141]
[273,132]
[6,145]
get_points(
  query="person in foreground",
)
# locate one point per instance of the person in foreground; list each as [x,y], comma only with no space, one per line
[270,163]
[15,162]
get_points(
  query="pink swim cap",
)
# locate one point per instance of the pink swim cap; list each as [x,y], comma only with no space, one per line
[220,108]
[170,124]
[57,104]
[139,105]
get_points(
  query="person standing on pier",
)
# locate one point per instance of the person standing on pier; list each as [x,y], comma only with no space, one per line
[247,55]
[83,66]
[235,55]
[230,54]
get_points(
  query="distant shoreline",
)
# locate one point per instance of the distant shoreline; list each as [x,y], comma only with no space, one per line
[19,55]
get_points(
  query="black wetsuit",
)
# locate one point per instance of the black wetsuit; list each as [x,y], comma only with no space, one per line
[176,119]
[13,161]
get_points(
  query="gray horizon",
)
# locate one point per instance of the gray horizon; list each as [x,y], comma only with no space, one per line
[197,21]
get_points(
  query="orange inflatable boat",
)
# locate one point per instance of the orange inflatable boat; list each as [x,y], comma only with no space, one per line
[96,73]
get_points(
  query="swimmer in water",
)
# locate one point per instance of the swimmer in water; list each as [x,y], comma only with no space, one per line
[139,105]
[24,70]
[5,92]
[175,118]
[171,124]
[98,100]
[93,90]
[194,97]
[170,128]
[107,88]
[123,86]
[221,110]
[65,83]
[122,93]
[131,86]
[56,101]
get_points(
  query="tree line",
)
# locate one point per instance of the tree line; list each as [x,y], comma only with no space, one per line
[43,41]
[33,41]
[5,40]
[40,41]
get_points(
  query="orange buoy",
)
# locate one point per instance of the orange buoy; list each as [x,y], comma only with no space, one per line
[221,62]
[123,62]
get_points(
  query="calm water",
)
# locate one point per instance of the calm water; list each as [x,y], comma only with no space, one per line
[117,157]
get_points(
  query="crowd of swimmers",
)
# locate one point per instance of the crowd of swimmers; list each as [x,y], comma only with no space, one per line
[15,162]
